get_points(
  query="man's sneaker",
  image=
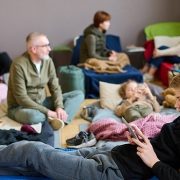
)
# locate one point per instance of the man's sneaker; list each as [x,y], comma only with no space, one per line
[56,123]
[82,139]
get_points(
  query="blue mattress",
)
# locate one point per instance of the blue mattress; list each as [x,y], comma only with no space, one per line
[92,79]
[23,177]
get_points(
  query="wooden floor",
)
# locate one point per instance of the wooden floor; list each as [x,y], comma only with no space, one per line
[72,129]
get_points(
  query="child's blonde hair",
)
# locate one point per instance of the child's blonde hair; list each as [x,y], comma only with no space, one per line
[122,89]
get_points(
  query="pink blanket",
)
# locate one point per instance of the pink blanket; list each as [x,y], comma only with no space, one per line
[110,129]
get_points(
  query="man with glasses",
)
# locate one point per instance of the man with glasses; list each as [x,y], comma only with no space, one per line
[30,74]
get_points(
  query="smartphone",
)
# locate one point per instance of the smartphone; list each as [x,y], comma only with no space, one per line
[130,129]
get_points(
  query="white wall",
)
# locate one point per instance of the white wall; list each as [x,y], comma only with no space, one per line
[62,20]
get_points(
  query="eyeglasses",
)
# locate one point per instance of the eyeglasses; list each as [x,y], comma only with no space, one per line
[44,45]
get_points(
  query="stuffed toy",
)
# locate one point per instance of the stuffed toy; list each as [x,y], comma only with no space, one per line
[169,98]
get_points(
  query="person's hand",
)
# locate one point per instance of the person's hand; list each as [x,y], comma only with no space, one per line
[113,56]
[134,98]
[52,114]
[156,53]
[61,114]
[144,149]
[137,95]
[148,92]
[144,90]
[113,53]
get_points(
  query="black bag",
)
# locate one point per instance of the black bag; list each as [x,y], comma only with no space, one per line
[5,63]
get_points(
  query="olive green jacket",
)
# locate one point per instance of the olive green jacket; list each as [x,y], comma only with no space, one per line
[93,45]
[26,86]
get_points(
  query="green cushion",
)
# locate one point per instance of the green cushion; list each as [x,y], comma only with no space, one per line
[162,29]
[62,48]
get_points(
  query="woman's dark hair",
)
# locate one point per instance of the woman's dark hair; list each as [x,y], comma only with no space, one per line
[100,17]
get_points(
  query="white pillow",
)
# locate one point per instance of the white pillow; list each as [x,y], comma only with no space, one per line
[109,95]
[166,41]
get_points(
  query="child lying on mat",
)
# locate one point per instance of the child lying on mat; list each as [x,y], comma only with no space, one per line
[137,102]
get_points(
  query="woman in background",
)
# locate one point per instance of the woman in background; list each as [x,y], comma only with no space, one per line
[93,46]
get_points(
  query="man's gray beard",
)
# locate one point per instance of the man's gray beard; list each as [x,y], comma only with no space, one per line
[45,58]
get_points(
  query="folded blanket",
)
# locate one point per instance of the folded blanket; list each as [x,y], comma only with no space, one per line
[107,66]
[110,129]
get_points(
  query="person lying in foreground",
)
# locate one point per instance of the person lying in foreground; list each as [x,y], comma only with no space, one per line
[141,159]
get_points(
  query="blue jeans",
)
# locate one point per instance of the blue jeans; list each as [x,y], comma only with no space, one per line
[71,100]
[88,163]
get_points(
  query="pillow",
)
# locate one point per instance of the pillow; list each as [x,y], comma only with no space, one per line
[109,95]
[166,41]
[156,91]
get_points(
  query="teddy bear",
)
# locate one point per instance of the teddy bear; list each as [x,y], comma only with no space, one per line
[169,98]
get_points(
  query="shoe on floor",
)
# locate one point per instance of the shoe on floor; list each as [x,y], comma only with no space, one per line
[148,77]
[88,112]
[82,139]
[56,123]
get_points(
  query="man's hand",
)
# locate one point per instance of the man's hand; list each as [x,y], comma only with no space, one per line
[61,114]
[52,114]
[144,149]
